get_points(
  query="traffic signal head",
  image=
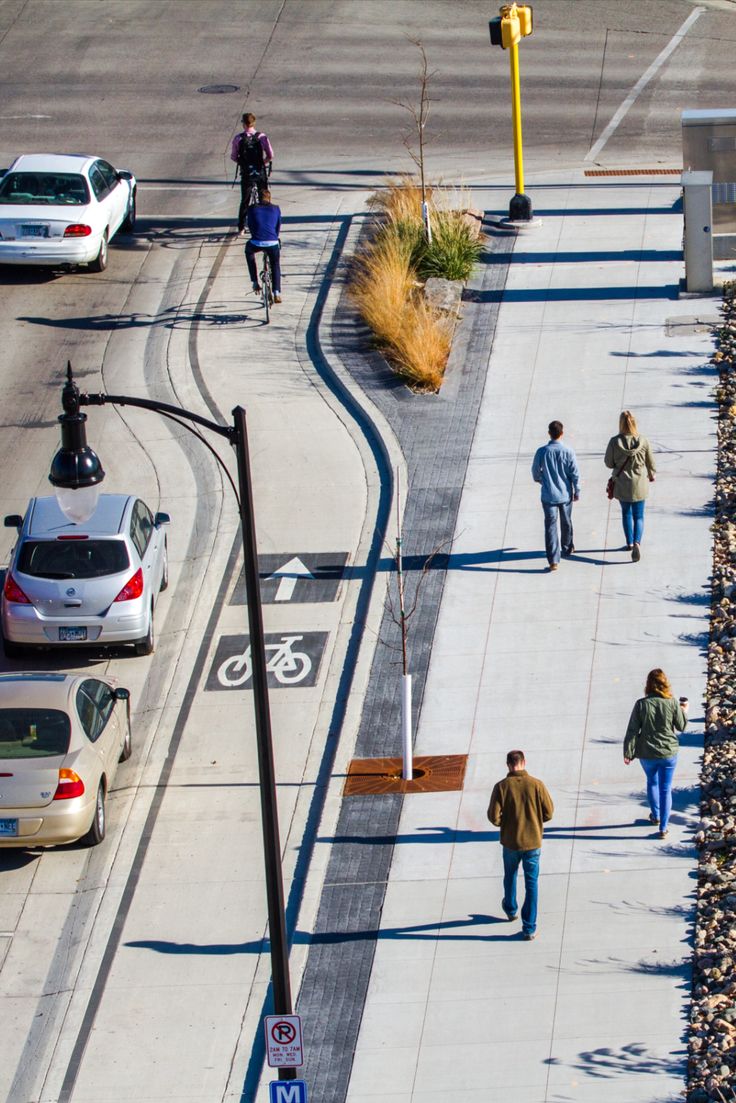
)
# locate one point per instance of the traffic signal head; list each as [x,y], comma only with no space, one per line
[513,23]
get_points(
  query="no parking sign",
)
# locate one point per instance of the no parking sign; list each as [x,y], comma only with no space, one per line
[284,1041]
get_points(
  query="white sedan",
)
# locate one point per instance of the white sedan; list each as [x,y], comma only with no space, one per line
[61,738]
[63,209]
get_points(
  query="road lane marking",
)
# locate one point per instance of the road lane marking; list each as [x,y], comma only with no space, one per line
[642,82]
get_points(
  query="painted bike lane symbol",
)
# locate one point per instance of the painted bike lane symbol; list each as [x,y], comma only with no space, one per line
[292,661]
[288,666]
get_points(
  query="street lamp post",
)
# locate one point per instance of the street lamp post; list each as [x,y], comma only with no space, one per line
[77,472]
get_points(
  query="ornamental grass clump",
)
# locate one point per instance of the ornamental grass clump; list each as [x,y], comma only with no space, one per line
[381,285]
[454,249]
[422,345]
[388,276]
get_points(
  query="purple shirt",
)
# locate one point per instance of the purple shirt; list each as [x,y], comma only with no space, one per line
[263,139]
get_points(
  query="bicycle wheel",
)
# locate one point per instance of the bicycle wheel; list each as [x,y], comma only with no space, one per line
[266,287]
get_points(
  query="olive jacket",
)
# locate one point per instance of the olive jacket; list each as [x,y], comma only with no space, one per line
[653,727]
[631,484]
[520,805]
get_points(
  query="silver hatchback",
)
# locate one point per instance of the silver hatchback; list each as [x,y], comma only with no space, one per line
[94,583]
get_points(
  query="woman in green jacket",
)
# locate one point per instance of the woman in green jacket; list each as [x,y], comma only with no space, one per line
[652,738]
[629,455]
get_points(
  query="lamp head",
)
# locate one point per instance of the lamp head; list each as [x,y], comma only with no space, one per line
[76,471]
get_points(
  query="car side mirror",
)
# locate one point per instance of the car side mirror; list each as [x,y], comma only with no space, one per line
[13,521]
[123,174]
[161,519]
[121,694]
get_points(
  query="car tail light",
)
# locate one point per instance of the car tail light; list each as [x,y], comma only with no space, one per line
[77,229]
[13,592]
[75,536]
[133,587]
[70,785]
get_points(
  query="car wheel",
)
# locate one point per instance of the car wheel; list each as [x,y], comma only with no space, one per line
[148,643]
[99,264]
[13,650]
[165,569]
[128,224]
[127,747]
[96,832]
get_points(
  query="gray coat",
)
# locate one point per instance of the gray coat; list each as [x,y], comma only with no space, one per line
[632,483]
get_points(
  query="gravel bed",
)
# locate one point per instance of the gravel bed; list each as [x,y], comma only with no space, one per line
[712,1043]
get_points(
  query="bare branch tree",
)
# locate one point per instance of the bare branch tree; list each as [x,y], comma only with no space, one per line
[402,604]
[415,140]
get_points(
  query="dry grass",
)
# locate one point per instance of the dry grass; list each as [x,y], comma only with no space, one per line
[400,200]
[415,337]
[423,345]
[381,285]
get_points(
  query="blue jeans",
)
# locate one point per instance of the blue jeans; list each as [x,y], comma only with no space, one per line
[274,255]
[552,511]
[529,860]
[660,774]
[632,517]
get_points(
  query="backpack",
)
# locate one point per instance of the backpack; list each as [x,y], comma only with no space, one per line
[250,154]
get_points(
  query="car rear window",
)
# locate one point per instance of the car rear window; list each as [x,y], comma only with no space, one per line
[73,558]
[33,733]
[68,189]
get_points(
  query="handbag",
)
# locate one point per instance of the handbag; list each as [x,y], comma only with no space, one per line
[612,481]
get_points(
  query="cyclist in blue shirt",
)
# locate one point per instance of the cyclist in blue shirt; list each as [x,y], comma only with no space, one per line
[264,223]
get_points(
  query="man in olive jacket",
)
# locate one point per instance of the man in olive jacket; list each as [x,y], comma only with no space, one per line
[520,805]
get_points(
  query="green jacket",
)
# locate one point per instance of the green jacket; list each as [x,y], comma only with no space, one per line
[653,727]
[632,484]
[520,804]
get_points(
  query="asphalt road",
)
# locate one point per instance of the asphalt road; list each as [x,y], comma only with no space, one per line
[324,78]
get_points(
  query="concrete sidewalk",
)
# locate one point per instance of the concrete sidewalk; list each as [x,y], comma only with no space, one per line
[594,1010]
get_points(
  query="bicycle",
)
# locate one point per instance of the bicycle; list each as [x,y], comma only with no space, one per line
[255,189]
[266,286]
[288,666]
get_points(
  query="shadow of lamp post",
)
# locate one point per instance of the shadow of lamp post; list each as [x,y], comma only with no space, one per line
[76,474]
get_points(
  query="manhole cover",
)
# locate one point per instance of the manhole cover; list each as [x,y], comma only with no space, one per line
[218,89]
[685,324]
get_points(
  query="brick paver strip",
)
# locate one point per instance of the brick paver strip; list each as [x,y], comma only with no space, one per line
[436,434]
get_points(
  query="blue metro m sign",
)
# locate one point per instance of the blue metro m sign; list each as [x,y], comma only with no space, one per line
[287,1091]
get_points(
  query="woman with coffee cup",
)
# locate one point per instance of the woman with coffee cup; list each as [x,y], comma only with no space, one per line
[652,738]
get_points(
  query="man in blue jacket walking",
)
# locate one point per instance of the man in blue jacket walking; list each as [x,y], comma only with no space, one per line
[555,468]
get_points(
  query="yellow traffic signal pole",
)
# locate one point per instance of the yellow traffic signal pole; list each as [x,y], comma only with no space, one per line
[514,22]
[520,207]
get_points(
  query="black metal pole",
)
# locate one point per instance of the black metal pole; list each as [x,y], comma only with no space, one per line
[238,437]
[269,807]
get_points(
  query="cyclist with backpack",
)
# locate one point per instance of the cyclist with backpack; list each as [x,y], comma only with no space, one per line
[252,153]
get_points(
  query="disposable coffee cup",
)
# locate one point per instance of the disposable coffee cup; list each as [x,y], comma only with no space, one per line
[683,702]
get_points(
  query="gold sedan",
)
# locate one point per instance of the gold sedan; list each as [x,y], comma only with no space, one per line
[61,738]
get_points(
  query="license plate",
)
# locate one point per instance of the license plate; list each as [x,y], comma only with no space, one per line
[8,827]
[34,231]
[67,635]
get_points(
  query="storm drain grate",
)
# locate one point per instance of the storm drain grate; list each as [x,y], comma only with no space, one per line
[436,773]
[633,172]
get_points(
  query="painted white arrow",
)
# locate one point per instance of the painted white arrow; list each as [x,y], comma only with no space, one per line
[288,576]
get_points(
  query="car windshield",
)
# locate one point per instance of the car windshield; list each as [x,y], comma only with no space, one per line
[60,188]
[73,558]
[33,733]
